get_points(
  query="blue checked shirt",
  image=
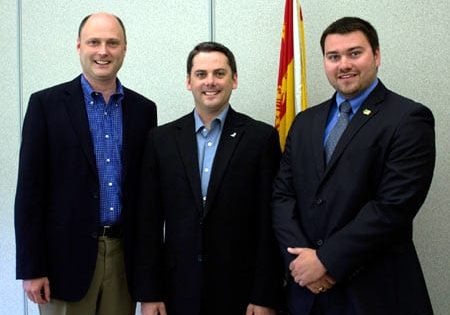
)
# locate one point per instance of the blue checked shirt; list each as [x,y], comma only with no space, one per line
[105,124]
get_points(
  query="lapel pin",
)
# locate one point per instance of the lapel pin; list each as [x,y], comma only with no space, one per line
[367,112]
[233,134]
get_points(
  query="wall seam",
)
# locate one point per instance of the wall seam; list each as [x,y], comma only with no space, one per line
[20,64]
[20,103]
[212,20]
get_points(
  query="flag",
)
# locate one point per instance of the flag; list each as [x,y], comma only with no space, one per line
[292,70]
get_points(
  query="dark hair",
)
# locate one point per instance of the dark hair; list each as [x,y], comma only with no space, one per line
[211,47]
[84,20]
[347,25]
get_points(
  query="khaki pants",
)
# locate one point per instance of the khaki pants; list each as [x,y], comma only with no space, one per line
[108,293]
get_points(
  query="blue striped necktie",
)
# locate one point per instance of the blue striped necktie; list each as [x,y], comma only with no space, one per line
[344,117]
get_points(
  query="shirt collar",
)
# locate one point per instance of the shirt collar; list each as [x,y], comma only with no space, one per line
[357,101]
[90,92]
[221,118]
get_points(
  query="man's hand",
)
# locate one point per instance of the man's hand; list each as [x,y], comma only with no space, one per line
[253,309]
[37,290]
[153,308]
[323,284]
[306,268]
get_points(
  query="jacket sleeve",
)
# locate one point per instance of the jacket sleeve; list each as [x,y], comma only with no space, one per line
[149,272]
[268,273]
[31,195]
[284,212]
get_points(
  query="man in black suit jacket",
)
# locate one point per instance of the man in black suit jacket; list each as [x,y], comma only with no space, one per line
[344,221]
[205,243]
[80,157]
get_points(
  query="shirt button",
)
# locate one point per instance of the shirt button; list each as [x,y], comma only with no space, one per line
[111,208]
[209,144]
[91,102]
[319,242]
[206,170]
[108,160]
[107,136]
[105,113]
[109,184]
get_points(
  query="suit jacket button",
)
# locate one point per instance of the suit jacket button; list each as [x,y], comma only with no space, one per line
[95,196]
[199,258]
[94,235]
[319,242]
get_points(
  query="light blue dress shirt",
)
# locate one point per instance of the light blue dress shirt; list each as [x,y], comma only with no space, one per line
[207,142]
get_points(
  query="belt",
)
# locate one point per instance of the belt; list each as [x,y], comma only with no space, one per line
[112,231]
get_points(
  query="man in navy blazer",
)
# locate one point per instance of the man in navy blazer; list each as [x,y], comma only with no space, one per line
[81,152]
[205,243]
[344,220]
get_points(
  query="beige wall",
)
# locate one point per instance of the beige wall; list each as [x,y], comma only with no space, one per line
[415,62]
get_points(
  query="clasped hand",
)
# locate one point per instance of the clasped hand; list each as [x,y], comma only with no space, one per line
[307,270]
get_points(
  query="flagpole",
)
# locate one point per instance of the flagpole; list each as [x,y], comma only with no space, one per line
[301,35]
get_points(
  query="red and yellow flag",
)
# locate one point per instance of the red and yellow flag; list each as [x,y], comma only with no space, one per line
[287,96]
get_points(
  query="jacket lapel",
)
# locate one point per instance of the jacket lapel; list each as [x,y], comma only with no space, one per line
[187,146]
[73,100]
[319,124]
[127,121]
[232,133]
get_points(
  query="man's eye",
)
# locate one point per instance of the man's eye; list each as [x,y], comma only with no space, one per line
[220,74]
[92,42]
[113,44]
[333,57]
[355,53]
[200,75]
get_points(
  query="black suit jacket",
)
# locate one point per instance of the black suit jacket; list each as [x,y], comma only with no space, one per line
[217,258]
[57,199]
[358,210]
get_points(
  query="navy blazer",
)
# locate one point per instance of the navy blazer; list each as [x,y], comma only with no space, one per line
[217,258]
[57,198]
[358,210]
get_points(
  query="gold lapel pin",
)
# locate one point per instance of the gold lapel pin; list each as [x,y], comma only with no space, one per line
[367,112]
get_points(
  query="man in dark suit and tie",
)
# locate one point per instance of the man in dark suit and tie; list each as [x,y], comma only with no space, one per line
[354,174]
[80,157]
[205,243]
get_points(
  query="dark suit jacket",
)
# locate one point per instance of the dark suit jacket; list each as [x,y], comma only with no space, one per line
[217,258]
[57,199]
[358,211]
